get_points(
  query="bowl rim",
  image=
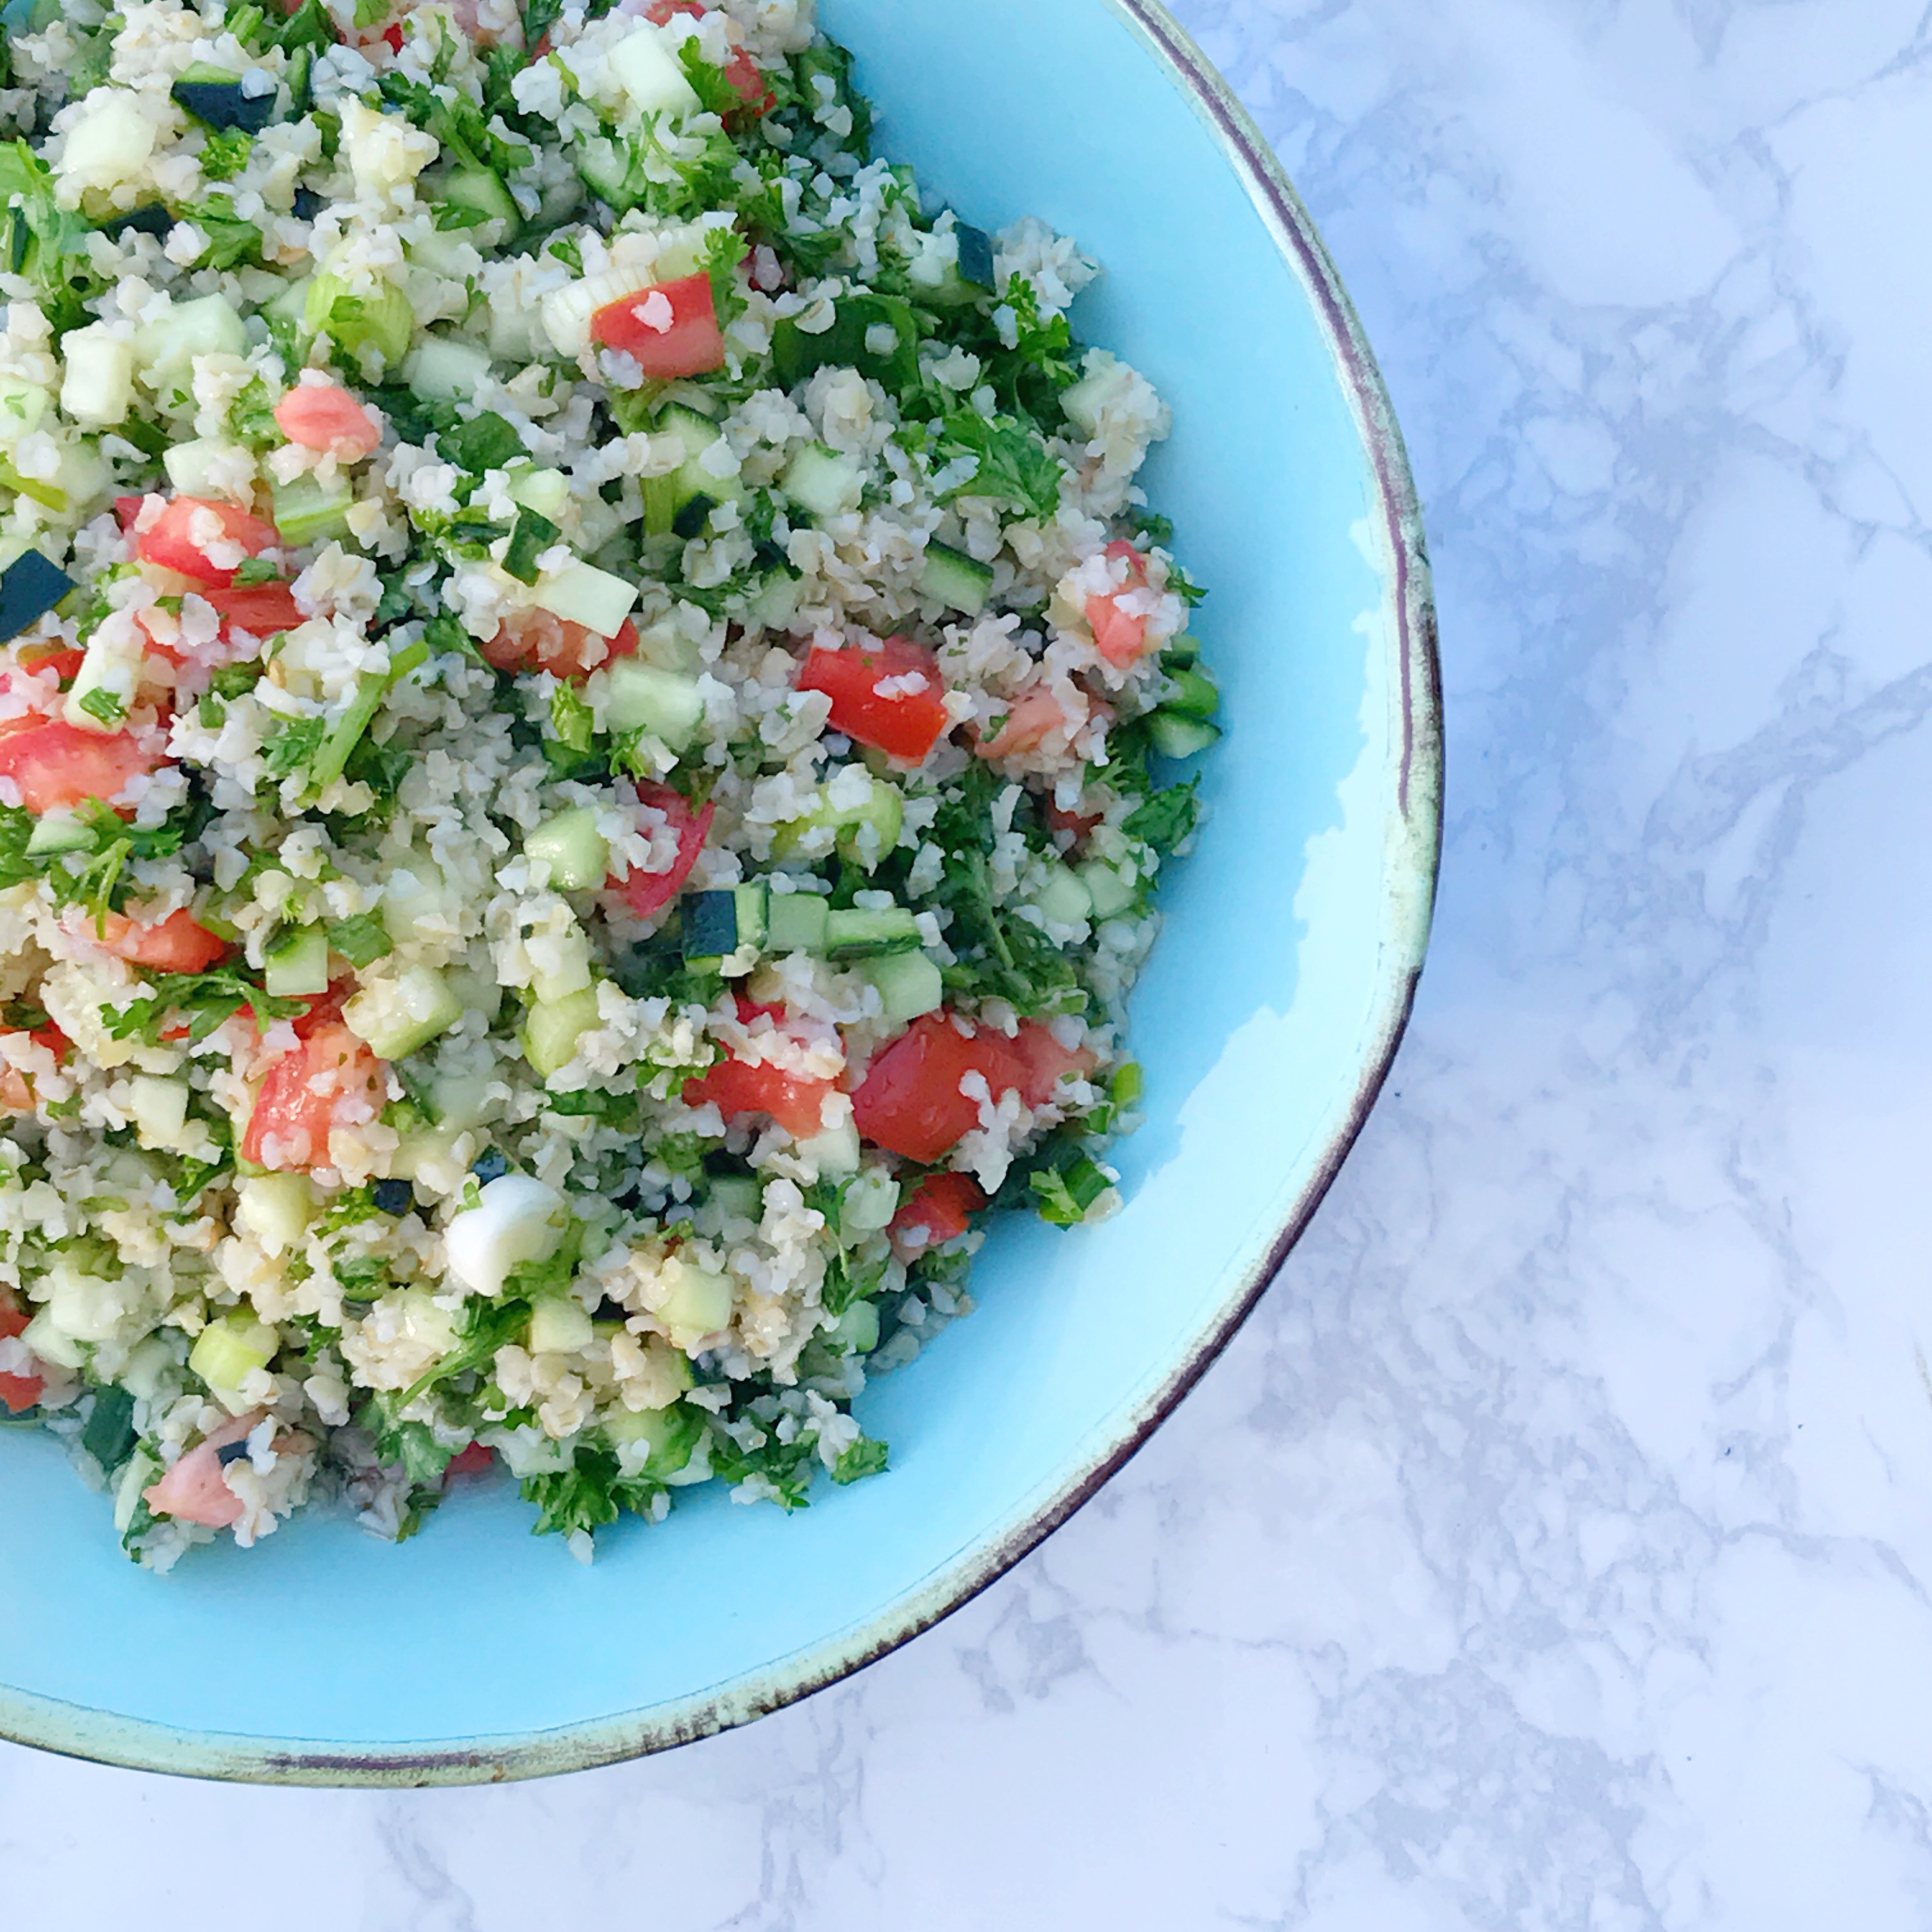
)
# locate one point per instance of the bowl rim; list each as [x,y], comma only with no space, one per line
[141,1745]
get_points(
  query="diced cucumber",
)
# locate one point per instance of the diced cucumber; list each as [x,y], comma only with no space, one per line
[1175,735]
[796,923]
[159,1108]
[869,1204]
[165,348]
[741,1196]
[559,966]
[381,319]
[560,1325]
[286,313]
[680,503]
[297,966]
[698,1306]
[308,511]
[956,580]
[552,1029]
[855,934]
[856,1331]
[276,1209]
[866,832]
[398,1017]
[1112,891]
[23,405]
[822,483]
[481,190]
[545,491]
[1063,899]
[580,593]
[192,466]
[446,369]
[142,1473]
[951,270]
[517,1219]
[1194,693]
[667,705]
[644,65]
[229,1350]
[835,1152]
[910,985]
[103,688]
[1181,650]
[58,831]
[577,853]
[416,894]
[672,1434]
[98,385]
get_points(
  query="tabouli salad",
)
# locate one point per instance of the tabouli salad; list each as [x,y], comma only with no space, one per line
[584,733]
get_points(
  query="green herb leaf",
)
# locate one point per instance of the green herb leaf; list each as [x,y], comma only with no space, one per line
[362,940]
[532,536]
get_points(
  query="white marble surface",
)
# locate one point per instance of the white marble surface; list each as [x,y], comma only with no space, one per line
[1553,1548]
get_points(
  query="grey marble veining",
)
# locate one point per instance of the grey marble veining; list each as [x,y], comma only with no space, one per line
[1553,1548]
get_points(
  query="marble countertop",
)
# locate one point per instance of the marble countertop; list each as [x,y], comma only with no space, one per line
[1552,1549]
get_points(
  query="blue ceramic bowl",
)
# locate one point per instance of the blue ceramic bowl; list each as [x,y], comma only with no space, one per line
[1266,1023]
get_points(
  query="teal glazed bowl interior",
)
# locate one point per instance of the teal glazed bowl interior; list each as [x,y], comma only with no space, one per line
[1265,1021]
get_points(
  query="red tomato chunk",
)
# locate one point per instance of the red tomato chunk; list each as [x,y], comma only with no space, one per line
[190,527]
[180,944]
[262,609]
[325,416]
[904,724]
[1121,638]
[534,640]
[740,1087]
[330,1079]
[910,1104]
[17,1392]
[940,1210]
[57,765]
[646,893]
[670,331]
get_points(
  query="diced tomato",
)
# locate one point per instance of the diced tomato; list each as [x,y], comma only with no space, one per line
[531,640]
[670,330]
[662,13]
[324,1010]
[1081,824]
[127,508]
[65,665]
[648,892]
[194,1490]
[746,75]
[393,34]
[910,1102]
[18,1392]
[56,765]
[940,1210]
[173,544]
[740,1087]
[260,609]
[750,1009]
[473,1461]
[904,724]
[16,1090]
[179,944]
[330,1079]
[1120,637]
[325,415]
[1036,716]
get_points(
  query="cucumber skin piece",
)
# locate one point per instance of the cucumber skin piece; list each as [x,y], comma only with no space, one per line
[710,925]
[29,588]
[1176,735]
[870,935]
[956,580]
